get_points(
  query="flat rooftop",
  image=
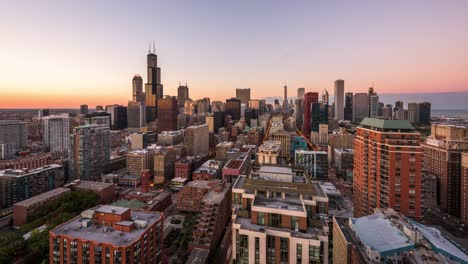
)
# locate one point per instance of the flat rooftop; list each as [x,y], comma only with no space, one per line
[103,234]
[21,173]
[274,169]
[132,204]
[234,164]
[93,185]
[378,233]
[386,124]
[275,203]
[109,209]
[42,197]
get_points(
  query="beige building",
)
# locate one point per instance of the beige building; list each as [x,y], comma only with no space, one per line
[277,221]
[164,160]
[209,120]
[269,152]
[285,139]
[197,140]
[139,160]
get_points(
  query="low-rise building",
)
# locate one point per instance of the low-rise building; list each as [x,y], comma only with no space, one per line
[210,170]
[108,234]
[104,190]
[23,209]
[269,152]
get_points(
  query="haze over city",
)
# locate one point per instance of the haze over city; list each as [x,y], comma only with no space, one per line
[63,54]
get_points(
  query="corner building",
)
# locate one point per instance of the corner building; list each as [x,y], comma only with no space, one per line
[278,221]
[387,167]
[108,234]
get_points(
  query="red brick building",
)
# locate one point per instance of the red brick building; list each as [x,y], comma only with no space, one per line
[105,191]
[387,167]
[108,234]
[183,169]
[28,162]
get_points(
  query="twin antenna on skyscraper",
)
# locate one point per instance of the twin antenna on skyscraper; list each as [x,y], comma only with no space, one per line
[154,47]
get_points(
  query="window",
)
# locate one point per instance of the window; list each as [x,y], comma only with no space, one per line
[237,198]
[284,246]
[271,241]
[295,223]
[275,220]
[257,250]
[260,218]
[314,255]
[299,253]
[242,248]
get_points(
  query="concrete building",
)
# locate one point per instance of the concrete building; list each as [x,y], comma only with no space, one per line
[182,95]
[339,100]
[277,221]
[84,109]
[183,168]
[425,113]
[56,133]
[15,132]
[268,152]
[387,167]
[414,112]
[443,158]
[89,152]
[285,139]
[137,89]
[118,115]
[139,140]
[108,234]
[196,139]
[374,105]
[169,138]
[17,185]
[167,114]
[315,163]
[430,191]
[208,171]
[360,107]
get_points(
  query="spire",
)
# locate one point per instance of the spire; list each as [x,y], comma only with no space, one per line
[154,46]
[179,83]
[149,47]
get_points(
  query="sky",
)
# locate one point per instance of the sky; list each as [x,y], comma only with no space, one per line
[66,53]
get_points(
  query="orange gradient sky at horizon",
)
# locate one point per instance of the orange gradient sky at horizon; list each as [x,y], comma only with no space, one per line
[61,55]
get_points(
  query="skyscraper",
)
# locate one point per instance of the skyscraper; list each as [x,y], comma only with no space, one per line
[325,97]
[137,92]
[360,106]
[56,133]
[300,93]
[182,95]
[299,112]
[153,88]
[319,115]
[373,105]
[414,113]
[118,116]
[425,113]
[167,114]
[243,94]
[285,99]
[89,152]
[309,99]
[442,158]
[387,167]
[233,108]
[338,99]
[348,109]
[136,115]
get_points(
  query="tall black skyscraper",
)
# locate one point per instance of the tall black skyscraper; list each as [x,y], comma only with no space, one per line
[319,115]
[425,113]
[348,108]
[153,88]
[233,108]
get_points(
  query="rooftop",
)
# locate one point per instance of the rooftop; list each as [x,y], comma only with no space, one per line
[387,124]
[110,209]
[378,233]
[285,204]
[42,197]
[198,256]
[104,234]
[20,173]
[132,204]
[93,185]
[275,169]
[234,164]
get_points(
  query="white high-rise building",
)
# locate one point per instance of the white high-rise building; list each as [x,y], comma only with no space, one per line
[339,100]
[56,133]
[300,93]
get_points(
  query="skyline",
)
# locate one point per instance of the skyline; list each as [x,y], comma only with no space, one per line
[92,50]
